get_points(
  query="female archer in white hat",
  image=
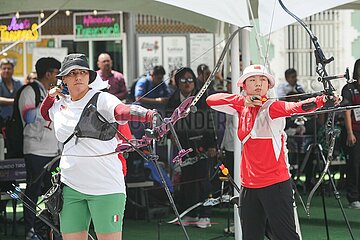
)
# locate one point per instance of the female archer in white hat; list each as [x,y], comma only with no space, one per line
[266,190]
[93,178]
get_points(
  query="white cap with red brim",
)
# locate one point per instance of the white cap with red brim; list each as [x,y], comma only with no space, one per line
[254,70]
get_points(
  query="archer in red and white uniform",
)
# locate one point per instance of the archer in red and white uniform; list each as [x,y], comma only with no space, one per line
[266,192]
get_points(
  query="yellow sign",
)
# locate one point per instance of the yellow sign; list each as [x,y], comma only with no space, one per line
[24,29]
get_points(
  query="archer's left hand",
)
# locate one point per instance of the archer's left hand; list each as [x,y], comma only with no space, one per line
[336,98]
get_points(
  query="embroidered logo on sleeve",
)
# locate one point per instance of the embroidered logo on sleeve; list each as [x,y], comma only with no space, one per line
[62,107]
[116,218]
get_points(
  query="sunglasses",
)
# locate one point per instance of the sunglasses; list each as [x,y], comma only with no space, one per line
[184,80]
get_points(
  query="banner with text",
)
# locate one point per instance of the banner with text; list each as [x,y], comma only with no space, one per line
[103,25]
[22,28]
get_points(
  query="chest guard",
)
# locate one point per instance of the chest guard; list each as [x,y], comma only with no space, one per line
[90,125]
[267,128]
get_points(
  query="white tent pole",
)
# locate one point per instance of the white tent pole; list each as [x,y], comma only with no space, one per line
[131,46]
[235,72]
[245,47]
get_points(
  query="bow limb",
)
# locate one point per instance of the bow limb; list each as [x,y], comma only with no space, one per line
[208,202]
[186,212]
[323,173]
[321,62]
[216,68]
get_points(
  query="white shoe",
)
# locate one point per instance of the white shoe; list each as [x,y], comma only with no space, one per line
[31,235]
[230,230]
[186,221]
[355,205]
[203,223]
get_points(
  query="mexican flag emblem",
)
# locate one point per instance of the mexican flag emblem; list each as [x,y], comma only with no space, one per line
[116,218]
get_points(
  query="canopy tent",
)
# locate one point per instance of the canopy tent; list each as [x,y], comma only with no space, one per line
[208,16]
[272,16]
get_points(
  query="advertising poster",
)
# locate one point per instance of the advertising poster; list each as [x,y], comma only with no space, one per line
[149,53]
[175,55]
[201,50]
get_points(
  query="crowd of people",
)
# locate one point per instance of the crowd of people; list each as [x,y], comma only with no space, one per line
[60,105]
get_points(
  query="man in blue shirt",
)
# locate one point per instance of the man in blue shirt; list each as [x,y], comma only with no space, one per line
[151,91]
[8,88]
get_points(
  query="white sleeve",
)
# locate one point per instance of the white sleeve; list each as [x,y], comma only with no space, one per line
[106,105]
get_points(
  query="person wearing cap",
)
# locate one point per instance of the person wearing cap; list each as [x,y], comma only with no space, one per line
[40,143]
[94,186]
[266,190]
[8,88]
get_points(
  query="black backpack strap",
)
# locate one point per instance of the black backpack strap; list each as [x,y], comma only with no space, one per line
[92,101]
[36,88]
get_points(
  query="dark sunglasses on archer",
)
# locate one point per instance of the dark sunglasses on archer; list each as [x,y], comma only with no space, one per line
[185,80]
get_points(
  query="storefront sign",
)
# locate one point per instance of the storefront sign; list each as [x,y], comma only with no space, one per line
[23,28]
[103,26]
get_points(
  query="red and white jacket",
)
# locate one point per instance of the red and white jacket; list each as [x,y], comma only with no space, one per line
[261,130]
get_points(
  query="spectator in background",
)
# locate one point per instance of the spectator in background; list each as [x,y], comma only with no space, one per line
[150,92]
[291,85]
[351,95]
[172,84]
[203,72]
[31,77]
[195,131]
[229,133]
[145,93]
[40,143]
[219,82]
[8,88]
[116,79]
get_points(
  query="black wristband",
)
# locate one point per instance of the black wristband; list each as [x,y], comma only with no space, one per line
[308,106]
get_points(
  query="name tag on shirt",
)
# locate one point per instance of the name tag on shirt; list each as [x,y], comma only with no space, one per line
[357,114]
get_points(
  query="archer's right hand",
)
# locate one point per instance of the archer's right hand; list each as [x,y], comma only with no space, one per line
[252,101]
[56,91]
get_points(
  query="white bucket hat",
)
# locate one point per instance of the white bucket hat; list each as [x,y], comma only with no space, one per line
[99,84]
[254,70]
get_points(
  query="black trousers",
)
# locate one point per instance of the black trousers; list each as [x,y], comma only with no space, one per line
[273,204]
[34,166]
[353,171]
